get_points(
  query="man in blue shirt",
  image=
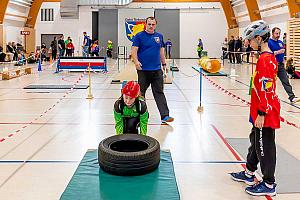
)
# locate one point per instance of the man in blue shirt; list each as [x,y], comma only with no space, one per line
[86,45]
[148,56]
[277,47]
[168,48]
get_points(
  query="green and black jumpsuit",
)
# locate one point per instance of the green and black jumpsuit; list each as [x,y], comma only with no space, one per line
[128,120]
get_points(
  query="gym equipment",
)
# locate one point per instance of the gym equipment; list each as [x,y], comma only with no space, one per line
[81,63]
[129,154]
[209,74]
[210,65]
[92,183]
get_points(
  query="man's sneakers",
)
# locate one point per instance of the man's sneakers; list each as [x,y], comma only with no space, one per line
[243,177]
[166,120]
[295,100]
[262,189]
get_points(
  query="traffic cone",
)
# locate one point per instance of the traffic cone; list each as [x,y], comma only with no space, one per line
[39,66]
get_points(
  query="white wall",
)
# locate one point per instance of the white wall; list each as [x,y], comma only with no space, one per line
[14,25]
[130,13]
[209,25]
[69,27]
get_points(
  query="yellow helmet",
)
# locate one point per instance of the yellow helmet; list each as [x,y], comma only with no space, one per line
[109,41]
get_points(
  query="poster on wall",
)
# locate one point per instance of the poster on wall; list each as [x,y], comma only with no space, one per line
[133,26]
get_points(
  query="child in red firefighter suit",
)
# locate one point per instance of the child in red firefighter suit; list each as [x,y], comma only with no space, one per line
[264,116]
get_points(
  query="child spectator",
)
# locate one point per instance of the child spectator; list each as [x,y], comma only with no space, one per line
[70,48]
[95,48]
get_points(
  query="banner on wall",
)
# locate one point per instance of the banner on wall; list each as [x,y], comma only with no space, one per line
[134,26]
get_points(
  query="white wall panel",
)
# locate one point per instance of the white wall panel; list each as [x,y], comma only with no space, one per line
[69,27]
[210,25]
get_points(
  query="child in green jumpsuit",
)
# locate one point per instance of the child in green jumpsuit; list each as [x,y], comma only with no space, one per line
[130,111]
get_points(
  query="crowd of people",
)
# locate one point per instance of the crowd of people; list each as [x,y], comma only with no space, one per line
[14,52]
[234,48]
[90,47]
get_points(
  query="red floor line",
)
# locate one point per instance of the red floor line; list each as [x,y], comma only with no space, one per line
[227,144]
[227,104]
[232,151]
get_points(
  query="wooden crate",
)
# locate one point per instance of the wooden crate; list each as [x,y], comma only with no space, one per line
[16,73]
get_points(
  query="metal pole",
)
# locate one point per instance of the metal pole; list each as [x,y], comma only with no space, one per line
[251,79]
[90,96]
[223,56]
[118,59]
[200,107]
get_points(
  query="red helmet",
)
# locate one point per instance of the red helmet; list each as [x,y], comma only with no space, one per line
[131,89]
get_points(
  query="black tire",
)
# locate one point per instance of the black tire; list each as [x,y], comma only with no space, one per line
[129,154]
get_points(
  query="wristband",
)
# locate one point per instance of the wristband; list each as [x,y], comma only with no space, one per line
[261,113]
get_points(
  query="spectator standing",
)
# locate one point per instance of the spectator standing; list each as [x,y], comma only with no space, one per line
[95,49]
[168,48]
[200,47]
[61,46]
[43,51]
[225,48]
[237,49]
[231,50]
[277,47]
[109,48]
[86,45]
[53,46]
[248,49]
[70,48]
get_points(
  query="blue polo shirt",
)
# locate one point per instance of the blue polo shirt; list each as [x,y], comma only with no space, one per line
[87,39]
[275,46]
[149,46]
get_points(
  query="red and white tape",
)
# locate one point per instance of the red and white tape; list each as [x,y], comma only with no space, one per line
[47,110]
[245,101]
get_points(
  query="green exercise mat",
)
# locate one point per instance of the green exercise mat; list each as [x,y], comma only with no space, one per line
[210,74]
[91,183]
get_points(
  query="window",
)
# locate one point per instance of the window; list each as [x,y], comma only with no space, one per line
[47,14]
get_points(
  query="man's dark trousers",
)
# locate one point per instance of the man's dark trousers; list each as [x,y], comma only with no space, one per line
[282,75]
[155,78]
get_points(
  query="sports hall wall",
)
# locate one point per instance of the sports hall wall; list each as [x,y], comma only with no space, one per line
[192,22]
[208,23]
